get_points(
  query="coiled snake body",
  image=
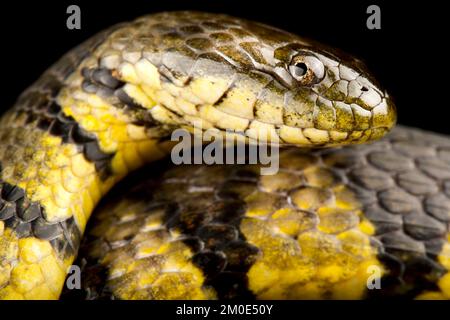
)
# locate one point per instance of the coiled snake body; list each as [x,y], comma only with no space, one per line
[342,223]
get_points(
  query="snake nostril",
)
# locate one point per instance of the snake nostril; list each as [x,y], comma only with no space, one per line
[364,89]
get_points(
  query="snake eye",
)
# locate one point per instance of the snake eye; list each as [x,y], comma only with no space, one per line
[298,70]
[306,69]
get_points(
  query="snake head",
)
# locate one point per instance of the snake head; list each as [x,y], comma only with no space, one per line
[236,75]
[331,98]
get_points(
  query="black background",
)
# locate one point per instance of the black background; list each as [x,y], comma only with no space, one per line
[407,55]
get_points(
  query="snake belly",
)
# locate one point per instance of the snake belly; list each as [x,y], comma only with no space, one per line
[110,105]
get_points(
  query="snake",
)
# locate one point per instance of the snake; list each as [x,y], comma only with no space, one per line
[359,208]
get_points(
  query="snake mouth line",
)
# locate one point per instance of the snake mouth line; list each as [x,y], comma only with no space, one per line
[310,138]
[288,135]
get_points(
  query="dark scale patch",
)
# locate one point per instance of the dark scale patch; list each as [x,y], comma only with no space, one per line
[208,222]
[43,112]
[224,255]
[224,95]
[38,102]
[94,274]
[27,219]
[126,99]
[101,81]
[401,195]
[70,132]
[211,262]
[168,74]
[409,275]
[204,204]
[217,235]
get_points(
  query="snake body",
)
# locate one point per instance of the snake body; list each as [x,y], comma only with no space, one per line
[329,224]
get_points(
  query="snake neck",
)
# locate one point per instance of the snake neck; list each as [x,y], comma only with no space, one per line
[62,149]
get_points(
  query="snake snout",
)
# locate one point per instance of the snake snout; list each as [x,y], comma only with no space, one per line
[350,105]
[345,106]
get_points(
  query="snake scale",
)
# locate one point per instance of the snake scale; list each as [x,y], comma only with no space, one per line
[339,220]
